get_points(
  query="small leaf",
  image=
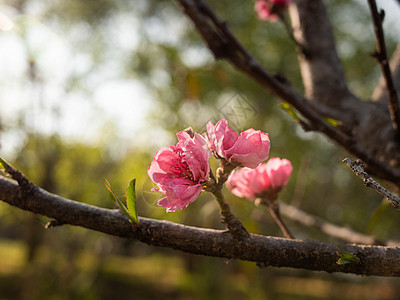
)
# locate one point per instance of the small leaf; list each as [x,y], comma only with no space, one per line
[112,195]
[115,199]
[346,254]
[286,106]
[345,257]
[342,261]
[131,201]
[333,122]
[3,164]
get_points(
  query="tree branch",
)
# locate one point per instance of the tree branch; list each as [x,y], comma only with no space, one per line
[321,69]
[269,251]
[273,208]
[381,56]
[224,45]
[380,92]
[358,168]
[343,233]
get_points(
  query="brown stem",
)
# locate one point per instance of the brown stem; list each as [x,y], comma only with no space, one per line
[289,31]
[214,186]
[232,222]
[273,208]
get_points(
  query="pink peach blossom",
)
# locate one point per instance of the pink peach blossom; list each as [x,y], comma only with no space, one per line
[267,9]
[249,148]
[251,183]
[278,171]
[221,137]
[180,170]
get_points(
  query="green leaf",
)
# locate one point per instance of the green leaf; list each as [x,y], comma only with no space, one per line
[286,106]
[131,201]
[115,199]
[342,261]
[345,257]
[333,122]
[112,195]
[3,164]
[346,254]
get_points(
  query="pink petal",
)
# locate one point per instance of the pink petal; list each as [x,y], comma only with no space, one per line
[239,183]
[221,137]
[279,171]
[251,183]
[164,161]
[251,148]
[179,196]
[195,154]
[263,10]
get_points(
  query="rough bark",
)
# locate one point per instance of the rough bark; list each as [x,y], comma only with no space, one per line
[321,69]
[267,251]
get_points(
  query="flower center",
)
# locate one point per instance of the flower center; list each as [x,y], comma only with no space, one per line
[180,169]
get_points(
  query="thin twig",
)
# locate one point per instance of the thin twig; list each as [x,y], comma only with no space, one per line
[24,183]
[289,31]
[381,56]
[358,168]
[333,230]
[235,227]
[273,208]
[214,186]
[232,222]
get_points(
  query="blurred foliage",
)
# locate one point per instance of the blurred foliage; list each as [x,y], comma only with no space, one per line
[189,88]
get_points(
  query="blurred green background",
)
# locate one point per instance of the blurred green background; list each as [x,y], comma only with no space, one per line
[91,89]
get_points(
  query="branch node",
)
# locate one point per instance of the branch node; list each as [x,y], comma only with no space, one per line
[26,186]
[375,55]
[381,15]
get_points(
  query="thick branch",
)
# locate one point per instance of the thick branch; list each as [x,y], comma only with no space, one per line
[343,233]
[321,69]
[270,251]
[381,56]
[224,45]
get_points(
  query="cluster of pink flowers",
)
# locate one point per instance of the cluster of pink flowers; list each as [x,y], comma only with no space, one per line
[270,177]
[181,171]
[268,9]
